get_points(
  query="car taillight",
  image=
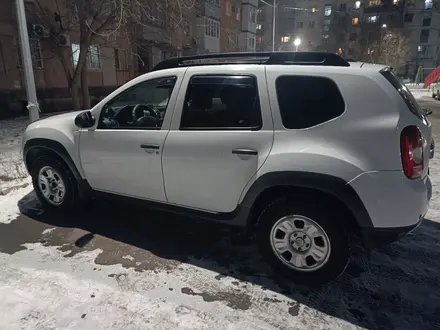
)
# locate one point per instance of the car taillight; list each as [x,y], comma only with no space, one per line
[411,151]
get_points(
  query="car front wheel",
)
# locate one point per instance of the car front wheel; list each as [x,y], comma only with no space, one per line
[307,243]
[53,183]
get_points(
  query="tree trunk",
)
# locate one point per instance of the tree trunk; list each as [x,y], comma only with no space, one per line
[75,95]
[85,88]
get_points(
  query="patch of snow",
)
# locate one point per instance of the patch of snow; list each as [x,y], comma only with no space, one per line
[48,231]
[421,93]
[9,203]
[40,288]
[128,257]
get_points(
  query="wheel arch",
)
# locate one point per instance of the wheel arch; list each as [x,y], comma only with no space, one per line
[310,185]
[37,147]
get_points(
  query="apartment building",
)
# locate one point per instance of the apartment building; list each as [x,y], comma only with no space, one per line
[355,25]
[230,24]
[301,19]
[422,21]
[248,36]
[112,60]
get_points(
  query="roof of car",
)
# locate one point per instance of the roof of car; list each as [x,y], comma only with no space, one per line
[264,58]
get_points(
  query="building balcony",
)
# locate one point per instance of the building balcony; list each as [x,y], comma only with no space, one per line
[380,9]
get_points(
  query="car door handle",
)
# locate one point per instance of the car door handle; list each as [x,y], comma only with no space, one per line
[242,151]
[150,146]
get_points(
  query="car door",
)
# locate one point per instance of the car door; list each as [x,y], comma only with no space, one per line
[219,137]
[122,155]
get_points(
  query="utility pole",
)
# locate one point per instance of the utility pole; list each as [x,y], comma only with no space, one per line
[26,58]
[274,23]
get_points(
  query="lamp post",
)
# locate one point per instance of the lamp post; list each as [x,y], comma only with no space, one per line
[274,17]
[296,43]
[26,58]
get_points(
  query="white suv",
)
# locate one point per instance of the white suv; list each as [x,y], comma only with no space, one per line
[303,149]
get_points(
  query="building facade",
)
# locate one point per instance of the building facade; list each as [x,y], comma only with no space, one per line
[301,19]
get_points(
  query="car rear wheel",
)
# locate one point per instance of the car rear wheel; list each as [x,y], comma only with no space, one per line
[305,242]
[54,184]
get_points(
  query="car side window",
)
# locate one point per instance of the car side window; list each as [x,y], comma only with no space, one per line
[221,103]
[306,101]
[142,106]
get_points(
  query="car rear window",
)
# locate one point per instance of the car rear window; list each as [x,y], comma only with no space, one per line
[306,101]
[409,99]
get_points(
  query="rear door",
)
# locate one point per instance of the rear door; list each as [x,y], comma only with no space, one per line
[221,134]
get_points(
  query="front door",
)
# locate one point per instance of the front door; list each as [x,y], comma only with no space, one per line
[218,140]
[123,154]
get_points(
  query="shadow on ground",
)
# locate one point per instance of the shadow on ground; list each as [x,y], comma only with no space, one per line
[398,288]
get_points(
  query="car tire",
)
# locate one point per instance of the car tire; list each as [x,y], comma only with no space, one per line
[48,172]
[307,245]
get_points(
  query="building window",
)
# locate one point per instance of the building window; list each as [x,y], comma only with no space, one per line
[373,3]
[236,11]
[93,60]
[312,24]
[285,39]
[326,36]
[186,29]
[36,53]
[252,16]
[352,37]
[259,26]
[372,19]
[260,40]
[357,5]
[215,2]
[424,36]
[212,28]
[350,51]
[409,17]
[420,49]
[228,8]
[326,27]
[428,4]
[327,10]
[343,7]
[426,22]
[94,57]
[313,9]
[117,59]
[251,42]
[299,25]
[355,20]
[326,22]
[259,12]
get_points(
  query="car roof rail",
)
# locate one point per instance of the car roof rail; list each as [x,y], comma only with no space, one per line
[268,58]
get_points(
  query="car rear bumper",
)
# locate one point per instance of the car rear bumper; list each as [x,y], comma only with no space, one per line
[376,237]
[396,205]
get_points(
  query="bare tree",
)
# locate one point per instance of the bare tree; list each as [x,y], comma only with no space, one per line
[392,48]
[93,22]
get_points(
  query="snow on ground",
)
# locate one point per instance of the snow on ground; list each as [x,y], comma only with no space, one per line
[41,289]
[8,203]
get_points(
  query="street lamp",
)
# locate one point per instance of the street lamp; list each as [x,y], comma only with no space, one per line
[297,42]
[26,59]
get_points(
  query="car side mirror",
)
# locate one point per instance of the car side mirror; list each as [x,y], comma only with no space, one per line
[85,120]
[427,111]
